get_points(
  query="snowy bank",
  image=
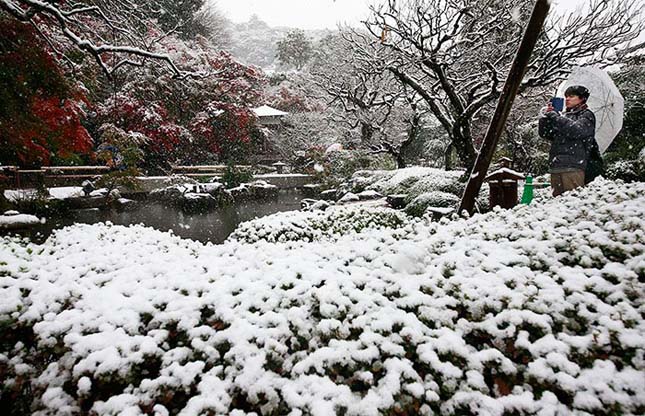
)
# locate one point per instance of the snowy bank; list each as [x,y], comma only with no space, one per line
[537,310]
[11,220]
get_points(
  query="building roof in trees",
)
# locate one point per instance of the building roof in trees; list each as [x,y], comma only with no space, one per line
[266,111]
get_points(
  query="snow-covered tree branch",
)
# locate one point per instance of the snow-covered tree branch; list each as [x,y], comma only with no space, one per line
[454,54]
[363,94]
[86,26]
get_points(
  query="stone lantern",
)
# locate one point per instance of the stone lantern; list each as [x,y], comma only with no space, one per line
[279,167]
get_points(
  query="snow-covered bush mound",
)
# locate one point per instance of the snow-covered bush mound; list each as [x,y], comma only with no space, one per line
[317,225]
[438,199]
[423,187]
[627,170]
[537,310]
[415,181]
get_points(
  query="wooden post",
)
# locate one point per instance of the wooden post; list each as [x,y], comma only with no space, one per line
[511,86]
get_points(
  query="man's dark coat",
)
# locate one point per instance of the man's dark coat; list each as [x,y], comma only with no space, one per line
[572,137]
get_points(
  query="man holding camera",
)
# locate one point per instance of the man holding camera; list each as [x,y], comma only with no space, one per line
[572,137]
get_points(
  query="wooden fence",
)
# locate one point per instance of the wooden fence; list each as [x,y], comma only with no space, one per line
[56,176]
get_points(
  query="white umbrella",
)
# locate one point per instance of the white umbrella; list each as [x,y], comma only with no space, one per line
[605,101]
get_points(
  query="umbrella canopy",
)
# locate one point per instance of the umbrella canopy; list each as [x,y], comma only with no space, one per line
[605,101]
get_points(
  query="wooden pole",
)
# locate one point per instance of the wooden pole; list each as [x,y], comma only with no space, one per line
[504,105]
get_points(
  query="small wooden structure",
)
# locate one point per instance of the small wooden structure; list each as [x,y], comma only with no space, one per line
[268,116]
[503,185]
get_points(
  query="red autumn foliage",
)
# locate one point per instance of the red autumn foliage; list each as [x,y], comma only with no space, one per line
[292,101]
[195,120]
[225,130]
[149,119]
[40,116]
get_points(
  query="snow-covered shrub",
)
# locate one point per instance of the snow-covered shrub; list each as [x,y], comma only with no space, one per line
[436,199]
[317,225]
[626,170]
[416,182]
[361,179]
[234,176]
[531,311]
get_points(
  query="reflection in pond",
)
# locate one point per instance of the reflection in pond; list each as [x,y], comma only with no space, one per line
[212,226]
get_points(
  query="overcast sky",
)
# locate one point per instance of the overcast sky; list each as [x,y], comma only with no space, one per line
[316,14]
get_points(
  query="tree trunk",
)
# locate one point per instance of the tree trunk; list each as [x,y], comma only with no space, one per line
[3,201]
[504,104]
[400,160]
[462,142]
[465,153]
[447,162]
[367,132]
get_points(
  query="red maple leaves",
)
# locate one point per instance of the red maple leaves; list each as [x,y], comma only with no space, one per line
[41,112]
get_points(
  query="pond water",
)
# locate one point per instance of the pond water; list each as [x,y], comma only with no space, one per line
[212,227]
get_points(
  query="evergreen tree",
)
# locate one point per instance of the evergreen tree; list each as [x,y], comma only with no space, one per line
[295,49]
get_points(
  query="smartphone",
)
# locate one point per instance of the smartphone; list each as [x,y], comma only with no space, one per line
[557,103]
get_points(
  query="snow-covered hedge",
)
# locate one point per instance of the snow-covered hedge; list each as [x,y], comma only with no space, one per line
[415,181]
[418,206]
[538,310]
[317,225]
[424,187]
[627,170]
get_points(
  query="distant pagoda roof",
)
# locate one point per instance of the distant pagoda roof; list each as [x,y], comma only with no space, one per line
[266,111]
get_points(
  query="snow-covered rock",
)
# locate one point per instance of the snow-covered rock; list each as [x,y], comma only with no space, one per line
[125,204]
[369,194]
[329,194]
[434,199]
[212,188]
[534,311]
[193,197]
[12,220]
[309,204]
[254,190]
[348,198]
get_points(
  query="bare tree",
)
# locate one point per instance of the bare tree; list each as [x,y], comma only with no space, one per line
[364,95]
[455,53]
[216,27]
[402,128]
[105,29]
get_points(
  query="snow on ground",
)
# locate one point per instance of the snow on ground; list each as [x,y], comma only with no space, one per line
[537,310]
